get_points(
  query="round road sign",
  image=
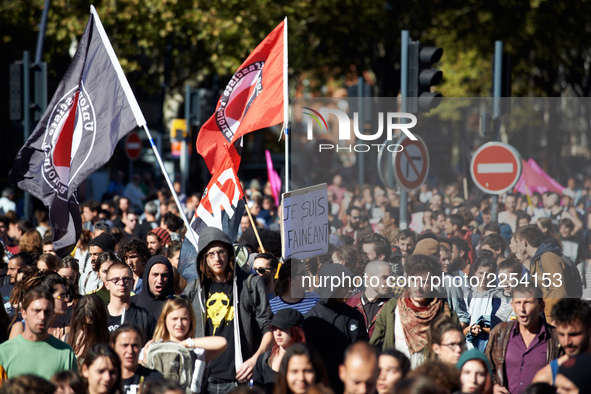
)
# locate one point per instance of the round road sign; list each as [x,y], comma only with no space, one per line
[411,164]
[495,167]
[133,146]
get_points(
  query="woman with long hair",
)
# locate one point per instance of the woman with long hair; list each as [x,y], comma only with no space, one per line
[68,382]
[89,325]
[68,269]
[101,371]
[175,326]
[446,341]
[47,262]
[300,369]
[31,242]
[286,326]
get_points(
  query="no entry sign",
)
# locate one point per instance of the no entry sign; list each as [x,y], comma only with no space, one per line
[133,146]
[495,167]
[411,165]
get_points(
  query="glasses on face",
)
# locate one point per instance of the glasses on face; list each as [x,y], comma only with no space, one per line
[355,217]
[454,346]
[126,280]
[173,296]
[262,270]
[221,253]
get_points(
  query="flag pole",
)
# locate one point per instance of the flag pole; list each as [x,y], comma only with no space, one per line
[286,105]
[253,224]
[176,198]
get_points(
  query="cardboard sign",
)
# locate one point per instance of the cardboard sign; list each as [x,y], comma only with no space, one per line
[304,224]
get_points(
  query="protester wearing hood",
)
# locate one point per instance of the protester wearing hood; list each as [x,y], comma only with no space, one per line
[158,285]
[475,372]
[545,263]
[332,325]
[215,297]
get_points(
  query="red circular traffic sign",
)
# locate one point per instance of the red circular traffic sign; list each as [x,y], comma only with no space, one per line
[133,146]
[411,164]
[495,167]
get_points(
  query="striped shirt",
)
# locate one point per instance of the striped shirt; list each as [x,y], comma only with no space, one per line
[303,306]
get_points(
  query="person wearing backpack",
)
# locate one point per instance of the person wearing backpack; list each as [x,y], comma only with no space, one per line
[546,267]
[174,353]
[228,304]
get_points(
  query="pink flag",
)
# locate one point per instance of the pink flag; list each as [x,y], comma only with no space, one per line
[535,181]
[274,179]
[532,163]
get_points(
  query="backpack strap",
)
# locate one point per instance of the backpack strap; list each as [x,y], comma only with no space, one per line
[249,282]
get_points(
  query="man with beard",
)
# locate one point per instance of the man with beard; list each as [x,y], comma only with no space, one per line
[412,314]
[572,319]
[265,265]
[351,228]
[158,239]
[158,285]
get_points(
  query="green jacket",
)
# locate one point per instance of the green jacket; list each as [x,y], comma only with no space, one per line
[383,335]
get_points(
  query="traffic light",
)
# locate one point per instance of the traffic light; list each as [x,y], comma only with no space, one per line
[422,76]
[178,129]
[28,87]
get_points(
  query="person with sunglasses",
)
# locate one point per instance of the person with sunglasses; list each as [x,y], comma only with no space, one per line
[265,265]
[120,308]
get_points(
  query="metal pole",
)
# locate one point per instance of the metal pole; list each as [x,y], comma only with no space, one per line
[184,147]
[27,117]
[405,39]
[41,35]
[190,232]
[498,77]
[360,161]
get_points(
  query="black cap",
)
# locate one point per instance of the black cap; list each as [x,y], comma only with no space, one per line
[104,241]
[287,318]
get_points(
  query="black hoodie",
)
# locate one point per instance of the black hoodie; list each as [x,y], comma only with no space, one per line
[145,298]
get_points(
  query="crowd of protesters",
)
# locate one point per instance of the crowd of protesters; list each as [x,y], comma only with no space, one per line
[509,312]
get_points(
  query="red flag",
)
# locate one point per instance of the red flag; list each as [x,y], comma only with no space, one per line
[92,109]
[253,99]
